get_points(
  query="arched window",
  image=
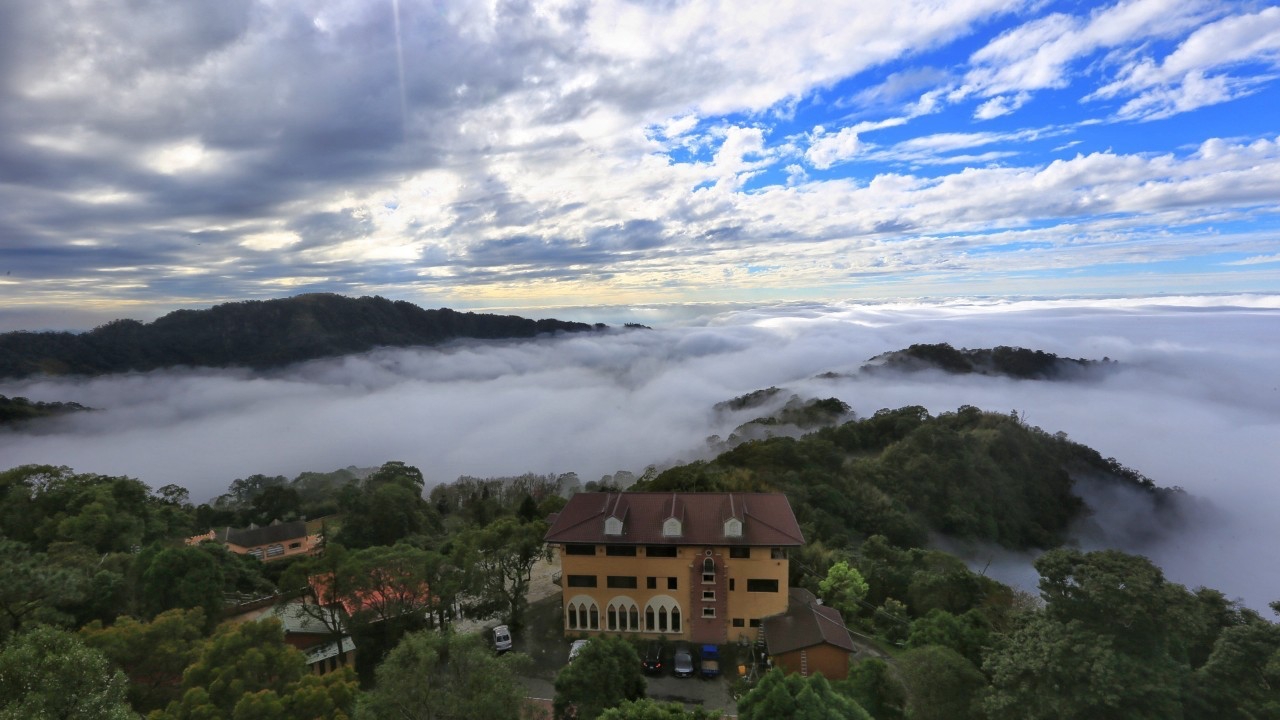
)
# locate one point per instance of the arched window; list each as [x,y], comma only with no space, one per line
[708,570]
[633,617]
[582,613]
[662,614]
[613,618]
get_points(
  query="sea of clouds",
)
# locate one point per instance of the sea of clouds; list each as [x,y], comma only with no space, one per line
[1194,402]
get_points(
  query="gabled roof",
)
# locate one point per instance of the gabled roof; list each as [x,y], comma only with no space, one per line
[276,532]
[767,519]
[296,619]
[806,623]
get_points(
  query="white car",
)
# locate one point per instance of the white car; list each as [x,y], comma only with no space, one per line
[576,648]
[502,638]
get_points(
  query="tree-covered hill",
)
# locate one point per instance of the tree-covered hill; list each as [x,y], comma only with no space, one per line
[1012,362]
[259,334]
[15,410]
[904,473]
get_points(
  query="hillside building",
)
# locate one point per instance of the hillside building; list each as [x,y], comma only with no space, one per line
[702,567]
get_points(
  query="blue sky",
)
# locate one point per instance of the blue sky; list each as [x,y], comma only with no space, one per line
[526,155]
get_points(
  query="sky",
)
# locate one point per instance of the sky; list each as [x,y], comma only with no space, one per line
[532,155]
[1194,402]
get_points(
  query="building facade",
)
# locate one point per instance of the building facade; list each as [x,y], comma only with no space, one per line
[703,567]
[276,541]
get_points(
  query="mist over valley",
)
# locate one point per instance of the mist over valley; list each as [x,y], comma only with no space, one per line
[1191,401]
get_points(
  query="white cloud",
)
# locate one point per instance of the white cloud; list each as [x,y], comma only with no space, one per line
[1183,80]
[1039,54]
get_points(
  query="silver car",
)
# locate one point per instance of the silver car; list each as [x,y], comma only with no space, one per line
[682,661]
[502,638]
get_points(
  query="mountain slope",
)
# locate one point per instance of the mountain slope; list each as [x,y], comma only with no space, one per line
[259,334]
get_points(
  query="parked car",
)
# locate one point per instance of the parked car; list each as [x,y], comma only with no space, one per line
[682,660]
[575,648]
[502,638]
[710,661]
[653,661]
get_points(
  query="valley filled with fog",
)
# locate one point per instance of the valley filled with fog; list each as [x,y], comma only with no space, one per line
[1193,401]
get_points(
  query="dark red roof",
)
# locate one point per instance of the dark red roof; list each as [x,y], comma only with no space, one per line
[766,519]
[805,623]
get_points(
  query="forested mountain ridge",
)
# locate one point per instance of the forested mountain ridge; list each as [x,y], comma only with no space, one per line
[1014,362]
[258,334]
[15,410]
[905,473]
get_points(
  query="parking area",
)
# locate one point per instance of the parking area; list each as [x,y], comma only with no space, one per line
[543,641]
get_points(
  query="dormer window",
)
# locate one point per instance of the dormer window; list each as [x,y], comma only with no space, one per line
[671,527]
[613,526]
[733,528]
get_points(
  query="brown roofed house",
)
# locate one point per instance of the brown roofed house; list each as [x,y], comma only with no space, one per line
[269,542]
[809,637]
[703,567]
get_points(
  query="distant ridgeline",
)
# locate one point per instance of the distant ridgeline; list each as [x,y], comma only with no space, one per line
[258,334]
[19,409]
[1013,362]
[904,474]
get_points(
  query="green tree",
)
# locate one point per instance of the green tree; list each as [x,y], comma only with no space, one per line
[181,577]
[604,674]
[1051,670]
[502,558]
[1241,678]
[387,508]
[153,655]
[844,589]
[966,634]
[874,686]
[34,589]
[247,669]
[433,676]
[798,698]
[941,684]
[647,709]
[48,674]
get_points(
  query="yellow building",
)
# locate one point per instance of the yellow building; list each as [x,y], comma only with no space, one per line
[703,567]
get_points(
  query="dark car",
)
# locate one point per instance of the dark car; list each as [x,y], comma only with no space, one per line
[682,661]
[653,660]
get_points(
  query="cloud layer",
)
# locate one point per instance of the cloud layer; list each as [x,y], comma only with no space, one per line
[1195,404]
[558,151]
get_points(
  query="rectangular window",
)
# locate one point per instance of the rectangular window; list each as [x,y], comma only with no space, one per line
[738,622]
[732,583]
[582,581]
[739,552]
[671,583]
[777,554]
[708,612]
[621,581]
[660,550]
[651,583]
[579,549]
[295,545]
[620,550]
[757,585]
[755,622]
[709,595]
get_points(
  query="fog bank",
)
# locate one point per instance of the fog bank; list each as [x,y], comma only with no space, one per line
[1195,402]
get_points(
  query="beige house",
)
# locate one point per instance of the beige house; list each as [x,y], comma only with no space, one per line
[703,567]
[270,542]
